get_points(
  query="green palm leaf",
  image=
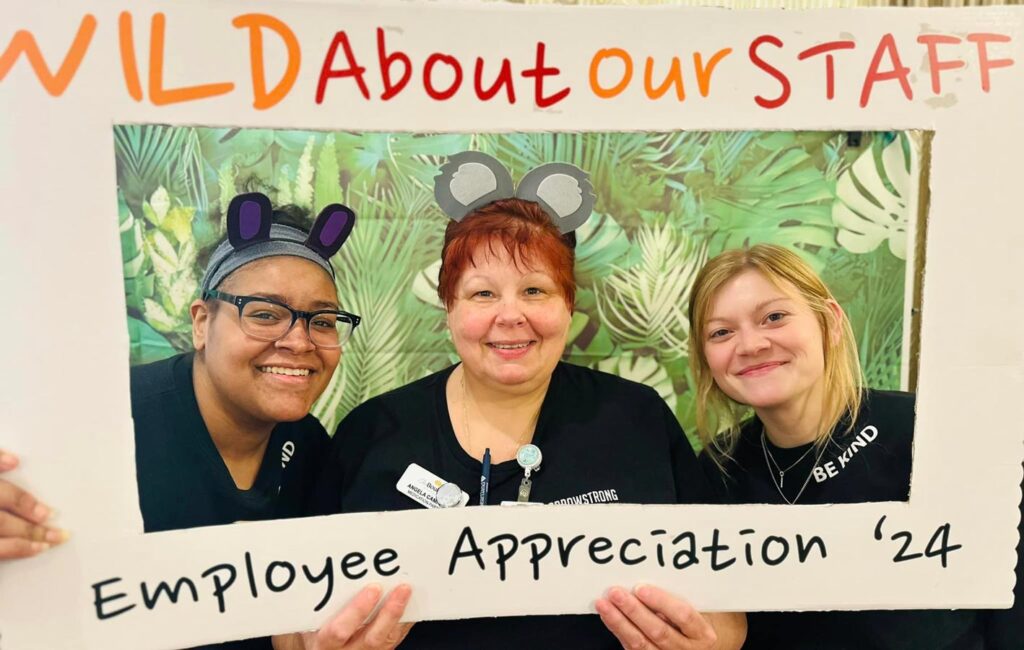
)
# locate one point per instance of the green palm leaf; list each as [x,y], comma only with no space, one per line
[871,288]
[644,306]
[151,156]
[601,246]
[664,202]
[775,195]
[401,338]
[371,157]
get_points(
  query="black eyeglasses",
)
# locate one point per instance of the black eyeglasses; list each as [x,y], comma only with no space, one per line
[267,319]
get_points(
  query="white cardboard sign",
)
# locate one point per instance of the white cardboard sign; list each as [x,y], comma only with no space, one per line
[65,395]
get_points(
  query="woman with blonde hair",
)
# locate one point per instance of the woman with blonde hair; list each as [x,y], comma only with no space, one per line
[785,418]
[768,335]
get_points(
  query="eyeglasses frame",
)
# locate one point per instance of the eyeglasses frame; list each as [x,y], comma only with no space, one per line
[241,301]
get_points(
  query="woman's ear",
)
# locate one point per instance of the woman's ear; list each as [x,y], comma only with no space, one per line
[200,313]
[837,315]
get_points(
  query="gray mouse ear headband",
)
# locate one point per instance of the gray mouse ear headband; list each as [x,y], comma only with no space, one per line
[470,180]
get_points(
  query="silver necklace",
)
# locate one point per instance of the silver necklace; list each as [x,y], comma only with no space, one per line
[519,440]
[771,471]
[773,464]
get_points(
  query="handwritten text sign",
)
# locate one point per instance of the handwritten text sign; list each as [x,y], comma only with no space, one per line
[67,75]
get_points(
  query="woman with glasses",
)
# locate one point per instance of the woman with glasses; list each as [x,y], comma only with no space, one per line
[224,434]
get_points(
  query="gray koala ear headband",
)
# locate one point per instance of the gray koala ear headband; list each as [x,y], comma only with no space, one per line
[252,235]
[470,180]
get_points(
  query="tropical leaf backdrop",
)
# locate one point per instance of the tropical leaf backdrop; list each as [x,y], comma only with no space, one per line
[666,202]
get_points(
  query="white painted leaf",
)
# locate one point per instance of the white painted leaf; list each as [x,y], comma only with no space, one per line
[868,212]
[160,202]
[162,253]
[181,292]
[424,285]
[157,316]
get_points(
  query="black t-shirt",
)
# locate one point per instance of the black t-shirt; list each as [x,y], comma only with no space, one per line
[871,462]
[603,439]
[1004,628]
[183,481]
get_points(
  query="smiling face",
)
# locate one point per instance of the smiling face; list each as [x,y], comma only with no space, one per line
[763,343]
[255,384]
[509,321]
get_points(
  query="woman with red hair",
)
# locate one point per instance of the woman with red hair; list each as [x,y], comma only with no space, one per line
[534,428]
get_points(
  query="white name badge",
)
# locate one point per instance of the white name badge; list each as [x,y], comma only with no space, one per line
[422,486]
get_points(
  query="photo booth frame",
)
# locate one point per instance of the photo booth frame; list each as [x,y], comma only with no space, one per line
[67,76]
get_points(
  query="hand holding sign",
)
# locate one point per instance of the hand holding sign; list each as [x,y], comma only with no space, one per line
[652,618]
[350,629]
[22,517]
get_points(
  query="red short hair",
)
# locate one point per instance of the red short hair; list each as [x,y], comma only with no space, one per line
[523,229]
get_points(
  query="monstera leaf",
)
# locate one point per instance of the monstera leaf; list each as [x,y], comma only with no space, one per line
[874,198]
[644,370]
[871,288]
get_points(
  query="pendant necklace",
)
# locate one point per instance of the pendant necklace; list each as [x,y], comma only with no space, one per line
[773,465]
[769,459]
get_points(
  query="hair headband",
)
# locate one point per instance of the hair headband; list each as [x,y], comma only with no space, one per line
[471,179]
[252,236]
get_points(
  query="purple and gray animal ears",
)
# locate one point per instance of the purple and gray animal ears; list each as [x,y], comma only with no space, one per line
[470,180]
[251,215]
[252,236]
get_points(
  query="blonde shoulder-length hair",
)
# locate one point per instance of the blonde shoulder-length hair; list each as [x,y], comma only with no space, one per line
[718,416]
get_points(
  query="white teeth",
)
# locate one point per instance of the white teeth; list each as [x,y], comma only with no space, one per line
[512,346]
[293,372]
